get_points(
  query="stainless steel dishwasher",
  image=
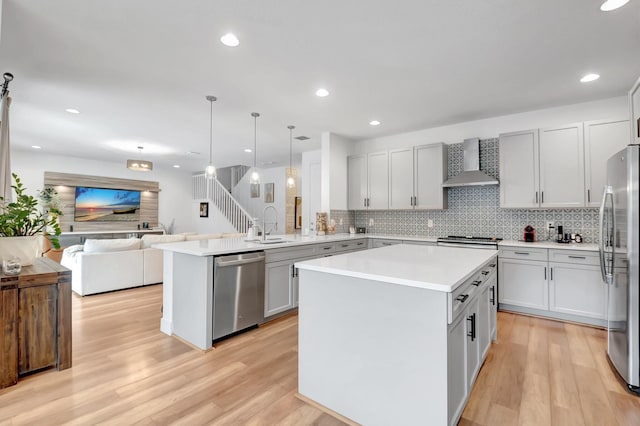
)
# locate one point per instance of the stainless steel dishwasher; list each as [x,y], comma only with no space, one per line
[238,292]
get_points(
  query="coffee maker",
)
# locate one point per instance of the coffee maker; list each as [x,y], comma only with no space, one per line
[529,234]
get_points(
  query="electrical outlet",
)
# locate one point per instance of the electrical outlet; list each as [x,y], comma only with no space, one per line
[370,221]
[550,225]
[340,221]
[430,223]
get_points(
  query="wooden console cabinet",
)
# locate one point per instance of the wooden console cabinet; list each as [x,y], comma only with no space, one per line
[35,320]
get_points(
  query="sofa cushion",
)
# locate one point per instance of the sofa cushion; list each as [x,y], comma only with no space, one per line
[117,244]
[203,237]
[150,239]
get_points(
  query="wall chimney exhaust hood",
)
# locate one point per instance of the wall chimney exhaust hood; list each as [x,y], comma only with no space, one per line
[472,175]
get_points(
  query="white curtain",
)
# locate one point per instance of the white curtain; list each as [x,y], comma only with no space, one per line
[5,164]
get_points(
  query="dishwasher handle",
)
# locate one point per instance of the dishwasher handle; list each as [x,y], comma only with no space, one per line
[235,261]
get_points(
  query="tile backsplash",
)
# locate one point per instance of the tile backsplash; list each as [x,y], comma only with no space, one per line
[472,211]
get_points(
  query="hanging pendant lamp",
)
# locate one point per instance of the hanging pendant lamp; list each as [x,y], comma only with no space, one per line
[210,170]
[291,180]
[140,165]
[254,177]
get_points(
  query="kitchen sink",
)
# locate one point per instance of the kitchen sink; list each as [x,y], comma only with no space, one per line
[270,241]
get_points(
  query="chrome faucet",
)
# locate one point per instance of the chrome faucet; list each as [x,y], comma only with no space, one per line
[264,221]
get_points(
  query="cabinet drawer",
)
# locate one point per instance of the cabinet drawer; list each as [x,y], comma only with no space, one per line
[525,253]
[324,249]
[342,246]
[289,253]
[383,242]
[574,256]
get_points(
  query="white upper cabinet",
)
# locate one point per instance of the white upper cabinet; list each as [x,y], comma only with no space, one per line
[430,172]
[357,182]
[416,176]
[519,182]
[602,138]
[401,178]
[562,166]
[368,181]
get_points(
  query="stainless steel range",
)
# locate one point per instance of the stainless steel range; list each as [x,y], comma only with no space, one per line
[487,243]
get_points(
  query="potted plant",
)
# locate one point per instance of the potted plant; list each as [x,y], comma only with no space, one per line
[22,218]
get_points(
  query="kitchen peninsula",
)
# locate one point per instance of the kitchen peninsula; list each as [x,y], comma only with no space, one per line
[395,335]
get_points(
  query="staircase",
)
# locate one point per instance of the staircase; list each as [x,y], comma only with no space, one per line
[214,191]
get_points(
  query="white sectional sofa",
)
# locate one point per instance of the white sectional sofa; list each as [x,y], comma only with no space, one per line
[114,264]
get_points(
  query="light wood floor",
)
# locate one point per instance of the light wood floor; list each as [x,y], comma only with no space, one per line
[125,371]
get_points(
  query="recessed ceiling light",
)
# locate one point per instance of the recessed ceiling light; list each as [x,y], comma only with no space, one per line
[610,5]
[374,122]
[230,40]
[176,166]
[589,77]
[72,111]
[36,147]
[322,93]
[248,150]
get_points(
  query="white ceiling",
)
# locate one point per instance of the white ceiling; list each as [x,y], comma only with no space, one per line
[139,71]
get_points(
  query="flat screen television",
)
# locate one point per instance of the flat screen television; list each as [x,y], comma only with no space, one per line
[106,205]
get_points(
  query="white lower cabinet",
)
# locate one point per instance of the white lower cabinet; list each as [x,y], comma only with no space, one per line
[568,286]
[577,290]
[483,321]
[279,284]
[457,368]
[473,317]
[493,308]
[523,283]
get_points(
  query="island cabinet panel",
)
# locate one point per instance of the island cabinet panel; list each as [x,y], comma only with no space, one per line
[38,330]
[8,335]
[484,321]
[457,384]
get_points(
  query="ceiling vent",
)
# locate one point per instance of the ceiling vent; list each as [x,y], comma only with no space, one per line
[471,175]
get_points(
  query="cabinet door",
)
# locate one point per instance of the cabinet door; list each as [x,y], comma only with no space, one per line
[523,283]
[37,327]
[430,171]
[562,166]
[378,179]
[8,337]
[519,180]
[473,341]
[401,179]
[493,308]
[357,182]
[602,139]
[483,322]
[577,290]
[278,287]
[456,368]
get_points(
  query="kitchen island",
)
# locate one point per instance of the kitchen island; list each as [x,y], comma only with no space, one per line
[395,335]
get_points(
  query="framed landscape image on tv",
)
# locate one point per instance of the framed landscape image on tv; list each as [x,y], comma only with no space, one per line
[106,205]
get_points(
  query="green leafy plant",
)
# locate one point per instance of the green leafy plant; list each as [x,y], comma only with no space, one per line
[22,217]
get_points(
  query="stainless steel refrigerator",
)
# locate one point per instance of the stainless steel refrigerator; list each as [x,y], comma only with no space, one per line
[619,254]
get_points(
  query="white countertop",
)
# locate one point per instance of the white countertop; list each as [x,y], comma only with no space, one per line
[429,267]
[549,245]
[219,246]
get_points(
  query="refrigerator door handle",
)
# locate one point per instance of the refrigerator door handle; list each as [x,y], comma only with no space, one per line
[603,267]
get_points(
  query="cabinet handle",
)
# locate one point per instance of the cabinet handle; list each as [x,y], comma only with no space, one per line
[485,272]
[472,333]
[293,271]
[577,257]
[344,245]
[536,197]
[588,195]
[551,274]
[493,295]
[541,197]
[476,283]
[364,202]
[360,244]
[462,298]
[545,273]
[326,248]
[524,253]
[493,265]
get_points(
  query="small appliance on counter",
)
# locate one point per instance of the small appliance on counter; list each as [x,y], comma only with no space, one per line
[529,234]
[361,230]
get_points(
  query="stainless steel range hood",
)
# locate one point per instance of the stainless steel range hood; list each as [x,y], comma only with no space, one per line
[472,175]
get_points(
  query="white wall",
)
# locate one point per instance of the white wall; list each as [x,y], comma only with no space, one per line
[255,206]
[175,185]
[492,127]
[216,223]
[311,187]
[335,150]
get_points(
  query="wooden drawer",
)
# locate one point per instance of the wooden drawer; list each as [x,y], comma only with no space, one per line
[524,253]
[289,253]
[574,256]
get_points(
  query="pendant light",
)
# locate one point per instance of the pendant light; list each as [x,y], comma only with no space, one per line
[140,165]
[254,177]
[291,180]
[210,170]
